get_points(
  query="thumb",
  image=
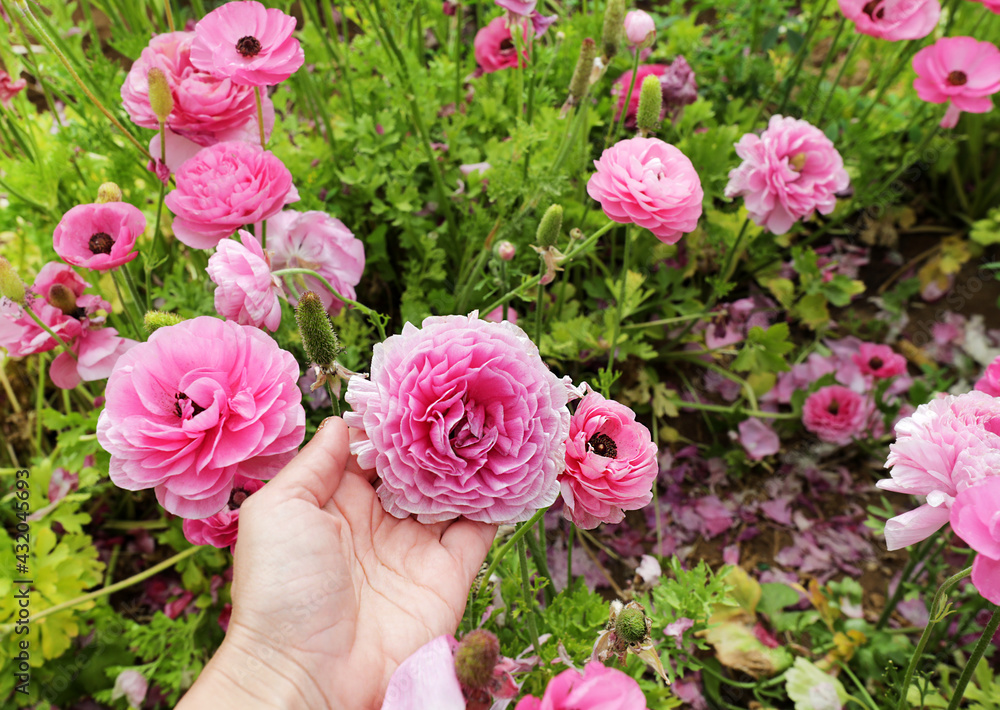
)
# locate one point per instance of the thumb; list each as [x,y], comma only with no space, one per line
[315,474]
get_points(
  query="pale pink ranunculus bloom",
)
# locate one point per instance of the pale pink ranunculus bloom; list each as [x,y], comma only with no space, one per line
[758,438]
[879,361]
[597,688]
[494,46]
[975,517]
[893,19]
[131,685]
[316,241]
[947,445]
[524,8]
[196,405]
[788,172]
[990,381]
[461,417]
[99,236]
[639,27]
[426,679]
[20,335]
[647,182]
[836,414]
[10,87]
[959,70]
[248,43]
[221,530]
[496,315]
[224,187]
[96,350]
[610,463]
[245,290]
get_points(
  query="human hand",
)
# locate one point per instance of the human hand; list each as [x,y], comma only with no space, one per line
[330,592]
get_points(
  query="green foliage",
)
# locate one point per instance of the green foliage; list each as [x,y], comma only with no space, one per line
[765,351]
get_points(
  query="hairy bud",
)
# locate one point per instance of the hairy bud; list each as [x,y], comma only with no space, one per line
[580,82]
[62,298]
[550,226]
[475,658]
[154,320]
[11,285]
[160,98]
[318,337]
[630,626]
[108,192]
[614,28]
[650,104]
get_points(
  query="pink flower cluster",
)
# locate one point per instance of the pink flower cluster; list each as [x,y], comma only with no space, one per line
[677,83]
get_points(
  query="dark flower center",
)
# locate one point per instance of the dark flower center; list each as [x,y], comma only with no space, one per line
[248,46]
[875,363]
[507,45]
[603,445]
[179,410]
[237,497]
[870,10]
[834,407]
[101,243]
[957,78]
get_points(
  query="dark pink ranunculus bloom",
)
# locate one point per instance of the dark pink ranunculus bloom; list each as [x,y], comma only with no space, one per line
[99,236]
[248,43]
[893,19]
[597,688]
[196,405]
[245,290]
[20,335]
[610,463]
[220,530]
[10,87]
[974,518]
[990,381]
[879,361]
[836,414]
[462,417]
[991,5]
[960,71]
[494,46]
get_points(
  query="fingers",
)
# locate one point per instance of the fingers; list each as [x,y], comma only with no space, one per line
[469,541]
[317,471]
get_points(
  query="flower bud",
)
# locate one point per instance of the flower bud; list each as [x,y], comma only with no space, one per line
[160,98]
[506,250]
[108,192]
[11,285]
[647,118]
[154,320]
[630,626]
[550,226]
[640,28]
[318,338]
[580,82]
[62,298]
[475,658]
[614,28]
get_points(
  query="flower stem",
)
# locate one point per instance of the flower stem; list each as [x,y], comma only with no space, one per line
[260,116]
[619,314]
[49,330]
[918,556]
[569,555]
[628,99]
[457,52]
[977,654]
[826,64]
[836,81]
[170,14]
[502,552]
[376,318]
[39,403]
[133,291]
[801,55]
[529,599]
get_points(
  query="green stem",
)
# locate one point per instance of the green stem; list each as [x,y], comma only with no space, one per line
[39,403]
[904,165]
[170,14]
[666,321]
[529,599]
[133,291]
[126,305]
[887,80]
[985,641]
[826,64]
[628,99]
[619,313]
[49,330]
[801,56]
[457,53]
[374,316]
[569,555]
[260,116]
[722,409]
[836,81]
[502,552]
[732,254]
[919,555]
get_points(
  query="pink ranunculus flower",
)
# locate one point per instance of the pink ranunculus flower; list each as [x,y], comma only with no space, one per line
[248,43]
[99,236]
[836,414]
[990,381]
[879,361]
[650,183]
[960,70]
[197,404]
[788,172]
[10,87]
[494,47]
[975,517]
[893,19]
[947,445]
[496,315]
[220,530]
[462,417]
[991,5]
[610,463]
[96,352]
[524,8]
[224,187]
[639,28]
[597,688]
[316,241]
[245,290]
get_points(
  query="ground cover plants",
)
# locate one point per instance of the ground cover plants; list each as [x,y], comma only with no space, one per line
[694,302]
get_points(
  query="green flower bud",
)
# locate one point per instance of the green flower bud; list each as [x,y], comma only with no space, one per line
[550,226]
[475,658]
[160,98]
[108,192]
[650,105]
[318,338]
[614,28]
[11,285]
[154,320]
[630,626]
[62,298]
[580,82]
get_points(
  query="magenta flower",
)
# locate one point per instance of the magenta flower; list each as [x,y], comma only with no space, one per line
[991,5]
[494,47]
[677,83]
[650,183]
[790,171]
[597,688]
[758,438]
[879,361]
[97,351]
[99,236]
[975,517]
[836,414]
[197,404]
[10,87]
[220,530]
[462,418]
[316,241]
[245,292]
[619,90]
[247,43]
[224,187]
[640,28]
[959,70]
[892,19]
[610,463]
[524,8]
[990,381]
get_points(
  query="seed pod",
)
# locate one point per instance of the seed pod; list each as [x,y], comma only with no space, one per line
[630,626]
[62,298]
[550,226]
[650,104]
[108,192]
[11,285]
[580,82]
[614,28]
[318,337]
[154,320]
[160,98]
[475,658]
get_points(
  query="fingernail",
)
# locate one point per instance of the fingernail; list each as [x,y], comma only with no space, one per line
[323,423]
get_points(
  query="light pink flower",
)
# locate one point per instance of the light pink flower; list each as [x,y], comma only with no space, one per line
[96,352]
[462,418]
[496,315]
[944,447]
[247,43]
[836,414]
[197,404]
[62,483]
[224,187]
[893,19]
[494,47]
[10,87]
[975,517]
[540,23]
[639,27]
[99,236]
[990,381]
[788,172]
[960,70]
[650,183]
[131,685]
[597,688]
[879,361]
[245,291]
[758,438]
[991,5]
[220,530]
[524,8]
[316,241]
[610,463]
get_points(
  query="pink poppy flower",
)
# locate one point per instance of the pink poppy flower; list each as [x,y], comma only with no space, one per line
[677,83]
[197,404]
[524,8]
[220,530]
[990,381]
[639,28]
[879,361]
[99,236]
[610,463]
[96,351]
[224,187]
[494,47]
[462,417]
[247,43]
[892,19]
[991,5]
[974,518]
[960,70]
[836,415]
[10,87]
[315,240]
[650,183]
[758,438]
[788,172]
[245,291]
[597,688]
